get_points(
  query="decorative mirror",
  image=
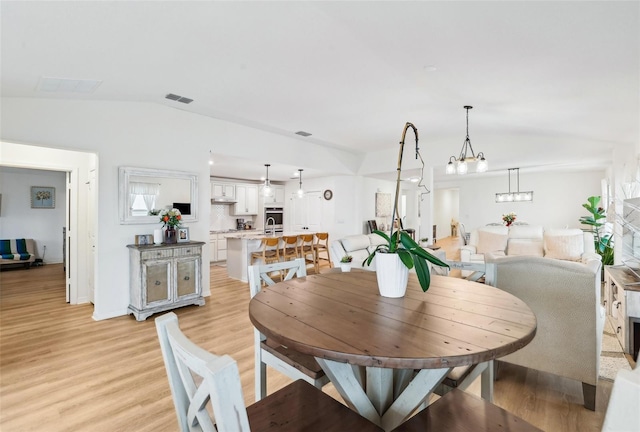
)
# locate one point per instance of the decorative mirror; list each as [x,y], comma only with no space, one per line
[144,192]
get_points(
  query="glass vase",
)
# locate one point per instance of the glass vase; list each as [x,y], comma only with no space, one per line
[170,235]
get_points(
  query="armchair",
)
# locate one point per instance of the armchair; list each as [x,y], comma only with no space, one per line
[565,296]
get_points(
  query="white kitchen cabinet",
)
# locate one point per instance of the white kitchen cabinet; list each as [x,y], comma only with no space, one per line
[223,190]
[307,212]
[213,247]
[276,198]
[163,277]
[246,200]
[222,247]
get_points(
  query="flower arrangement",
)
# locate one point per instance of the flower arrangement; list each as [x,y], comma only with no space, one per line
[509,218]
[171,218]
[346,259]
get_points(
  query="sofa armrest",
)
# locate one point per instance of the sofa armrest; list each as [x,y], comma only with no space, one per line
[466,251]
[589,256]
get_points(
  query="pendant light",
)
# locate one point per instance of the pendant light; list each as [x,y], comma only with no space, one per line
[461,164]
[514,196]
[300,190]
[210,158]
[266,189]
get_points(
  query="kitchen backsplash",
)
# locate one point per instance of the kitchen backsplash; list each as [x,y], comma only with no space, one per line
[222,220]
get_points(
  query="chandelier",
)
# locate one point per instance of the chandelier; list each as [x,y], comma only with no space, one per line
[514,196]
[461,164]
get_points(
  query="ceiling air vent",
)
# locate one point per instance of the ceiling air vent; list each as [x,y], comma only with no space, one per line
[178,98]
[303,133]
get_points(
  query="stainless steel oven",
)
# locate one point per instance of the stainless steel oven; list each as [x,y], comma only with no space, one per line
[274,219]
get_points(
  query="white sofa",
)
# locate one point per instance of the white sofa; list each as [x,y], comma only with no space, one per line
[361,245]
[565,296]
[529,240]
[358,246]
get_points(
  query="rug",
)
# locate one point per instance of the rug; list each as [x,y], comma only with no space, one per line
[612,357]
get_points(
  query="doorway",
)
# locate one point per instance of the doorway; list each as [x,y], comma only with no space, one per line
[77,165]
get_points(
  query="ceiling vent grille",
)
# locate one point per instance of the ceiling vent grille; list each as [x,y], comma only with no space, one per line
[178,98]
[303,133]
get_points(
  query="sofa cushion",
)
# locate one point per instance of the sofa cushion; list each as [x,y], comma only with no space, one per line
[491,242]
[355,242]
[525,246]
[564,244]
[526,232]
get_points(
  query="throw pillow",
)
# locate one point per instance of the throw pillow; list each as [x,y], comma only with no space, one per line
[566,247]
[526,247]
[491,242]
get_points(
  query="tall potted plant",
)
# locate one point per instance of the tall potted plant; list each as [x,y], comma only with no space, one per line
[401,253]
[603,242]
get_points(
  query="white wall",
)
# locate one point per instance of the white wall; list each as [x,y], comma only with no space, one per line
[448,207]
[557,202]
[148,136]
[19,220]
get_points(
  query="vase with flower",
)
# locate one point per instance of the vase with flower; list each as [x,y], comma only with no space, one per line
[170,220]
[509,218]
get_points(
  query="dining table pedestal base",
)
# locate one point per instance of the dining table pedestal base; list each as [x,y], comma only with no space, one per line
[389,397]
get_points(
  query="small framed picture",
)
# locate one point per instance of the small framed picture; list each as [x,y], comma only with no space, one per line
[144,239]
[183,234]
[43,197]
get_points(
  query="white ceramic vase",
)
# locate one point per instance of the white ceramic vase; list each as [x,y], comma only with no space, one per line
[345,267]
[392,275]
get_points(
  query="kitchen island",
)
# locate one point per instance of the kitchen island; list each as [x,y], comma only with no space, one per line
[240,247]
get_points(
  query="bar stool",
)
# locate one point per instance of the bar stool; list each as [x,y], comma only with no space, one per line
[269,252]
[289,248]
[306,249]
[321,245]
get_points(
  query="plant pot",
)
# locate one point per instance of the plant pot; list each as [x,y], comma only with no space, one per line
[345,267]
[392,275]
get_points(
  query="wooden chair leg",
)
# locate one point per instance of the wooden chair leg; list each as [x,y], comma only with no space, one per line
[589,395]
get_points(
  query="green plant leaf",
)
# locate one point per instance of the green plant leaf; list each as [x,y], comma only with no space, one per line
[423,273]
[406,258]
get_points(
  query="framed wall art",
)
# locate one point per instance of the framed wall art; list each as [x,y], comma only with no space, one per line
[183,234]
[43,197]
[383,204]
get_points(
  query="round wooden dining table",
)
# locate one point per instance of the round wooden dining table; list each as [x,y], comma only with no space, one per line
[386,355]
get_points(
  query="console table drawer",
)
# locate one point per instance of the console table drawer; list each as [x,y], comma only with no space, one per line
[156,254]
[186,251]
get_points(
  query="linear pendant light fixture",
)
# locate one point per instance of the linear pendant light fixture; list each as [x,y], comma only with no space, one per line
[300,190]
[514,196]
[266,189]
[461,164]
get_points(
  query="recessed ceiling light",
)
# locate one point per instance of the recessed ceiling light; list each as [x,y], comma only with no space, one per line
[430,68]
[303,133]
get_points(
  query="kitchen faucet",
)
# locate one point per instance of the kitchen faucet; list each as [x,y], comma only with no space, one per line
[273,226]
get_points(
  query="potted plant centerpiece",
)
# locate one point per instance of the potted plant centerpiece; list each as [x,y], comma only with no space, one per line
[345,263]
[424,242]
[401,253]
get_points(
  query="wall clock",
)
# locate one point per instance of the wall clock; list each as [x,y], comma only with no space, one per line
[328,194]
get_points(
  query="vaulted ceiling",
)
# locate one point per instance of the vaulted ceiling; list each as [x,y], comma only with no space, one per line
[553,84]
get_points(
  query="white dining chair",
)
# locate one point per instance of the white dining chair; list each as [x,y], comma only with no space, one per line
[291,363]
[200,380]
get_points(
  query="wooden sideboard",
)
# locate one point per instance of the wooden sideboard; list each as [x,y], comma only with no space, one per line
[622,303]
[163,277]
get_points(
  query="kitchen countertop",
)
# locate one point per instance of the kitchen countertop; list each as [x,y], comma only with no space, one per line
[253,230]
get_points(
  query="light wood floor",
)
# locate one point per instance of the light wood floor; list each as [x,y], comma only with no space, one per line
[62,371]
